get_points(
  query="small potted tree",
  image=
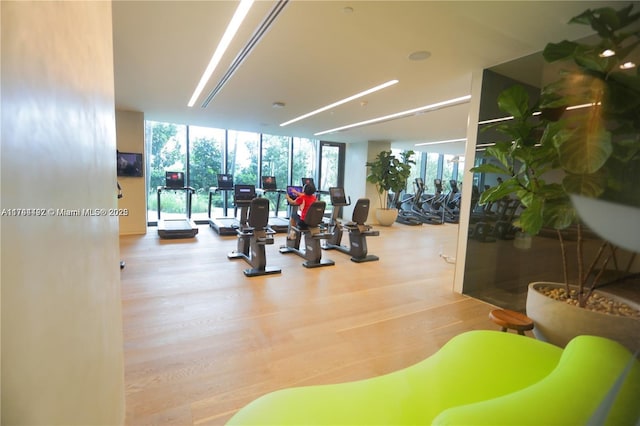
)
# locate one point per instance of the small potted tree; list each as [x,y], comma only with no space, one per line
[552,155]
[389,174]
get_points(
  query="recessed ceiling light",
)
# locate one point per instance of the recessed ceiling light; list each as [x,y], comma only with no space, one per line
[627,65]
[419,55]
[607,53]
[348,9]
[278,105]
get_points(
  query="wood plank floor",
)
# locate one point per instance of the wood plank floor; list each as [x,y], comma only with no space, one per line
[202,340]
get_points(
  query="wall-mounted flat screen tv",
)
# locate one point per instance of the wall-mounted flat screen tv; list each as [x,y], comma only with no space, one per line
[130,164]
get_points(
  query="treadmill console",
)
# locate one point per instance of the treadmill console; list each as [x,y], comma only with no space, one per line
[244,193]
[174,179]
[269,183]
[307,181]
[225,182]
[337,196]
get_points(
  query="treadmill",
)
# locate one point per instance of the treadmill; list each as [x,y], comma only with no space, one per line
[223,225]
[181,227]
[278,224]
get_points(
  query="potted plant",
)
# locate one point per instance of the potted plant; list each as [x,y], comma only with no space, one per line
[389,173]
[555,151]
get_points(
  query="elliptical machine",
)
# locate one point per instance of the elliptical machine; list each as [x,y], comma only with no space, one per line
[358,230]
[253,233]
[425,209]
[313,234]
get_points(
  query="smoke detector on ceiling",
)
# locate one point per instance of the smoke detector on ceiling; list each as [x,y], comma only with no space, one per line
[419,55]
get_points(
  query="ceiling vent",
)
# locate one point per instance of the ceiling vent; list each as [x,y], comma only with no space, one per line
[255,38]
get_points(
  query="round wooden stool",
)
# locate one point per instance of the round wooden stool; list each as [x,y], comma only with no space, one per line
[508,319]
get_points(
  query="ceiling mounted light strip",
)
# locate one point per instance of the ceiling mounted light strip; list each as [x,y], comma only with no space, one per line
[343,101]
[536,113]
[402,114]
[230,32]
[255,38]
[441,142]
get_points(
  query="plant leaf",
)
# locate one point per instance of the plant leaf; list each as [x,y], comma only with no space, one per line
[514,101]
[490,168]
[558,51]
[590,185]
[499,192]
[586,149]
[530,219]
[559,214]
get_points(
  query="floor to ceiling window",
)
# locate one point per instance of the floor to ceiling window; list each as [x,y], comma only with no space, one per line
[206,161]
[331,154]
[275,164]
[305,154]
[203,153]
[166,151]
[242,159]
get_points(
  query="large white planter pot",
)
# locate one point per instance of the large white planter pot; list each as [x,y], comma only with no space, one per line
[386,217]
[557,322]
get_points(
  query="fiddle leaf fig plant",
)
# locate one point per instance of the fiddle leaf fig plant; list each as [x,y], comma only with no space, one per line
[390,173]
[599,145]
[592,148]
[525,157]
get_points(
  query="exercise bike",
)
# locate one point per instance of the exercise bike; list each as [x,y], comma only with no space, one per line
[313,234]
[358,230]
[253,233]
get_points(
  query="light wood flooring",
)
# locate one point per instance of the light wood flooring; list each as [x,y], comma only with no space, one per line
[201,340]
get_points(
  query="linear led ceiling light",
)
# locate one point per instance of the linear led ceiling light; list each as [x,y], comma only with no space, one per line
[230,32]
[535,113]
[402,114]
[343,101]
[441,142]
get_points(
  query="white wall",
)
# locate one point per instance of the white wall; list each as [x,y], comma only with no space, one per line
[355,184]
[62,346]
[130,138]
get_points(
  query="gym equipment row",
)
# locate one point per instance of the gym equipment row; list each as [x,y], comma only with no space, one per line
[229,225]
[432,209]
[488,225]
[254,232]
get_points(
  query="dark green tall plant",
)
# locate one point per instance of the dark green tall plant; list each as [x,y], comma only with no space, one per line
[390,173]
[599,146]
[593,150]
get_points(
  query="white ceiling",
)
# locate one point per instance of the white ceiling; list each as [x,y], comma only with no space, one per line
[316,53]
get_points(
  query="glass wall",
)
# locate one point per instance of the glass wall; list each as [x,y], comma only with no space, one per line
[166,151]
[202,153]
[432,171]
[242,160]
[431,166]
[206,161]
[275,163]
[305,155]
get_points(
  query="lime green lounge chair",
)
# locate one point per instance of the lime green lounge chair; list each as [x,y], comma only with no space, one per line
[478,377]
